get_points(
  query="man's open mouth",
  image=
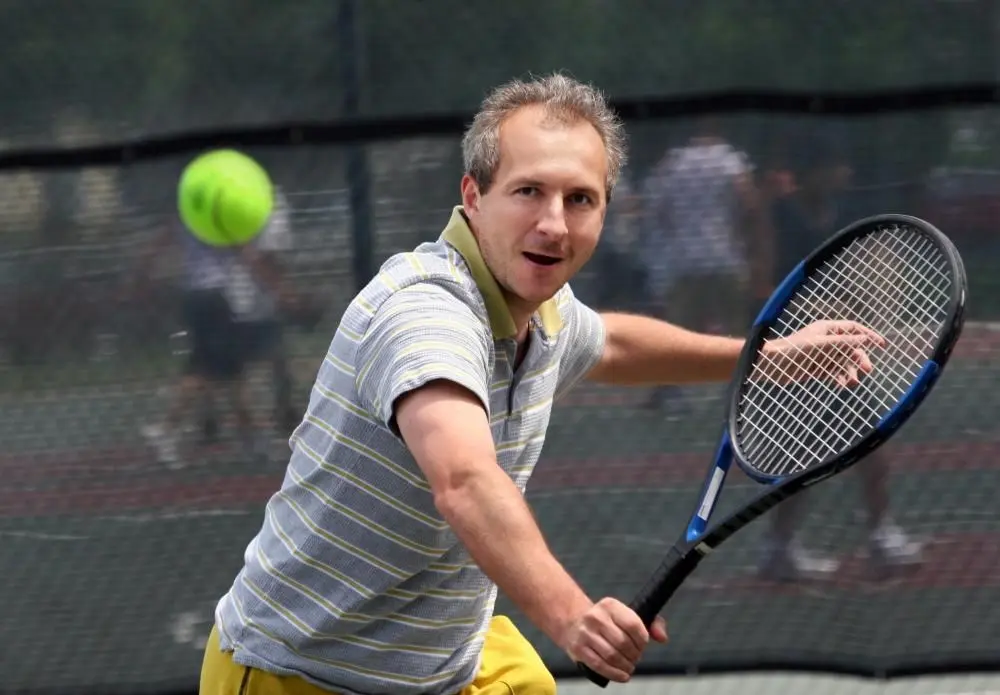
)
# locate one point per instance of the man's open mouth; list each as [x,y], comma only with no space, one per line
[541,259]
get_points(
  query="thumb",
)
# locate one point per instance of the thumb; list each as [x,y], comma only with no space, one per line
[658,630]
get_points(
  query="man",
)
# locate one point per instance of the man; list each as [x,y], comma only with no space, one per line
[402,511]
[702,213]
[229,303]
[804,219]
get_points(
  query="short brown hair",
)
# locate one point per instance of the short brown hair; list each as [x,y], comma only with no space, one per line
[565,98]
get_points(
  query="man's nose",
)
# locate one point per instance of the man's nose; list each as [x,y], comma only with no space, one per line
[553,220]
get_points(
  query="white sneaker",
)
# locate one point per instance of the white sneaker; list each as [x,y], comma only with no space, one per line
[890,545]
[792,562]
[164,443]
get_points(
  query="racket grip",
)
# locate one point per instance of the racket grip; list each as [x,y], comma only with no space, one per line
[671,573]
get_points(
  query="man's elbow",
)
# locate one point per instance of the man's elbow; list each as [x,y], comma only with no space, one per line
[456,491]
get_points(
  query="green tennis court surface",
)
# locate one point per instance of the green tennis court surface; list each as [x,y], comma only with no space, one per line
[113,564]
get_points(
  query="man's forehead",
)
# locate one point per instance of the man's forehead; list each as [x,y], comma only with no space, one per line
[540,120]
[534,141]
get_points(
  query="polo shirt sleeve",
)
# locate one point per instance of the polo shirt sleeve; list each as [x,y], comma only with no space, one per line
[422,333]
[584,332]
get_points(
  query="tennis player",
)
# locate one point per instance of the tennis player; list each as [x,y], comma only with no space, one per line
[402,511]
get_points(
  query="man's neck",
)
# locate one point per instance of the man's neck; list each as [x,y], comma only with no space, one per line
[521,313]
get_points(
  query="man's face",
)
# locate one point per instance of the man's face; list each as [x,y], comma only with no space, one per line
[542,216]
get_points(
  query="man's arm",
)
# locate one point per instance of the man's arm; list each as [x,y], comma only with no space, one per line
[639,350]
[447,431]
[424,371]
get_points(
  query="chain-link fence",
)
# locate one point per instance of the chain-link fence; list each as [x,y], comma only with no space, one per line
[115,554]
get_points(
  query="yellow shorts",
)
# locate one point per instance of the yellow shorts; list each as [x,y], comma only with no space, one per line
[510,666]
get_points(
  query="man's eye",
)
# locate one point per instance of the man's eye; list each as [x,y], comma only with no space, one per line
[527,191]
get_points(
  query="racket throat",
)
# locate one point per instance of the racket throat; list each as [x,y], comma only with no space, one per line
[710,492]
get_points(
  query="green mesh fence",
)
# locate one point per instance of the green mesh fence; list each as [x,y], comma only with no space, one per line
[114,561]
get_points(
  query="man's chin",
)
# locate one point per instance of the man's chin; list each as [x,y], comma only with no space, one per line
[531,292]
[538,294]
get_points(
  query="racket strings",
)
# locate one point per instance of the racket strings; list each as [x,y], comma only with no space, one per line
[802,431]
[846,407]
[895,281]
[910,316]
[843,440]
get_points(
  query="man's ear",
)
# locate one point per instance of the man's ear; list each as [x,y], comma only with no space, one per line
[470,194]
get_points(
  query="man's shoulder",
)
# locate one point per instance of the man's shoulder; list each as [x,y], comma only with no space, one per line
[433,272]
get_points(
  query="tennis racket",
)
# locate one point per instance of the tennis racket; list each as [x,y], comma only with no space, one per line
[792,418]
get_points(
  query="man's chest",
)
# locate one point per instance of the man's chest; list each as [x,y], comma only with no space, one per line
[521,397]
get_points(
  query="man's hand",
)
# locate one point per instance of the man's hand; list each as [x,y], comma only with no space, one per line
[829,350]
[610,639]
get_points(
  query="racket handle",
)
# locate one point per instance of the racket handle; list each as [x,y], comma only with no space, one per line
[594,677]
[667,578]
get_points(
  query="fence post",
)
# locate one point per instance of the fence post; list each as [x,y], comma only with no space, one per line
[358,183]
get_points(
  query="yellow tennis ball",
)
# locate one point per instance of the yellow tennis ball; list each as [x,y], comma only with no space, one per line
[225,198]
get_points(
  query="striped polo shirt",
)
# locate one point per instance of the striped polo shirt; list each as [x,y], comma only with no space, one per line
[355,581]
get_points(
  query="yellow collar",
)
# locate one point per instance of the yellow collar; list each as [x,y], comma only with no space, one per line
[458,234]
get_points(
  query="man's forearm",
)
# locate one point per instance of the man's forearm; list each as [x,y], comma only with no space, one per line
[491,518]
[641,350]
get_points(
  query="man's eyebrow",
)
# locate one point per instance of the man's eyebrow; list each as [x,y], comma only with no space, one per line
[534,183]
[522,183]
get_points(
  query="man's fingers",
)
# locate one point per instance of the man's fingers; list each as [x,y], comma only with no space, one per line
[860,358]
[848,377]
[615,633]
[658,630]
[594,660]
[612,655]
[853,328]
[848,340]
[623,644]
[631,625]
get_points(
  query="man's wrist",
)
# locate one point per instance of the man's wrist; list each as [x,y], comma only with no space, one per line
[566,616]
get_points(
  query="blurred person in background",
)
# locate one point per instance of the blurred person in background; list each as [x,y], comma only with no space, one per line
[701,213]
[802,219]
[231,305]
[617,271]
[263,306]
[777,176]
